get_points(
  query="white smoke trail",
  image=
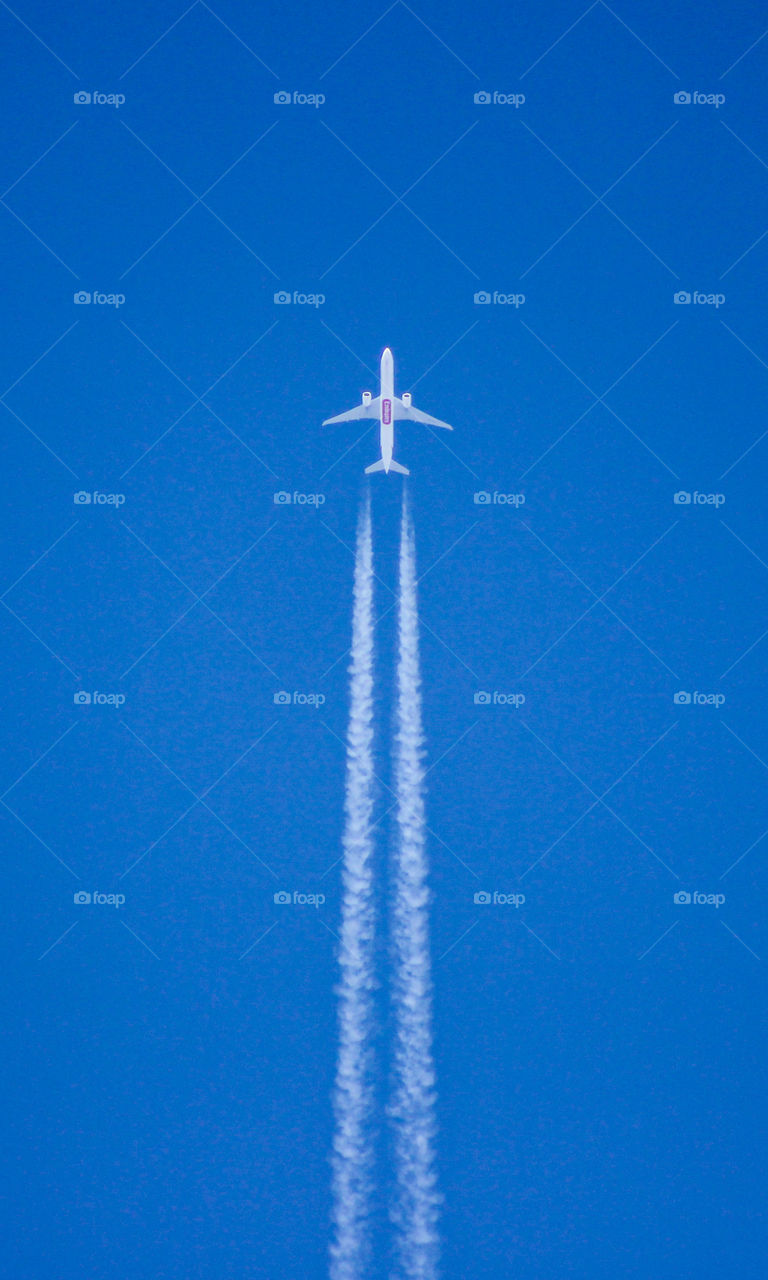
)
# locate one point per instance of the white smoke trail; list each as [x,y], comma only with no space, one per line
[353,1150]
[413,1106]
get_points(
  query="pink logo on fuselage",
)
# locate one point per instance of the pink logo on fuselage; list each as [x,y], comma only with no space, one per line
[386,412]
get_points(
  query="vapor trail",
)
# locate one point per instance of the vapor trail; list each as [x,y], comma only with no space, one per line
[415,1212]
[353,1151]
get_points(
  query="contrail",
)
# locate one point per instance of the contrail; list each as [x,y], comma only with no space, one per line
[415,1213]
[353,1145]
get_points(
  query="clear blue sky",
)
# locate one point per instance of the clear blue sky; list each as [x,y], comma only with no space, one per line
[599,1048]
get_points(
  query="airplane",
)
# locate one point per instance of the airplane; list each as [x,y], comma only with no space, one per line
[387,407]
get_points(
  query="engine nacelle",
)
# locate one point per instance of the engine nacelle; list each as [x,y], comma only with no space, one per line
[407,399]
[366,397]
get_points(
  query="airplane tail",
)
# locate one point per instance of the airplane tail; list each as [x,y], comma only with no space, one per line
[393,466]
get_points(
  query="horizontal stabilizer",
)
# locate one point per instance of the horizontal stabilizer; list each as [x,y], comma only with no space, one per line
[393,466]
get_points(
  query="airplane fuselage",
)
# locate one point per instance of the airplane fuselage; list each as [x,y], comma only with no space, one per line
[387,431]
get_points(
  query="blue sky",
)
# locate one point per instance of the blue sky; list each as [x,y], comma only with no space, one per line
[597,1047]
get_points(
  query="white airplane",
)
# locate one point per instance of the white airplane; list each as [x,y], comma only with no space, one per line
[387,407]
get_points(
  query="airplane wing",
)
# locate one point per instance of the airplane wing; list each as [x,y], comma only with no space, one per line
[408,413]
[370,410]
